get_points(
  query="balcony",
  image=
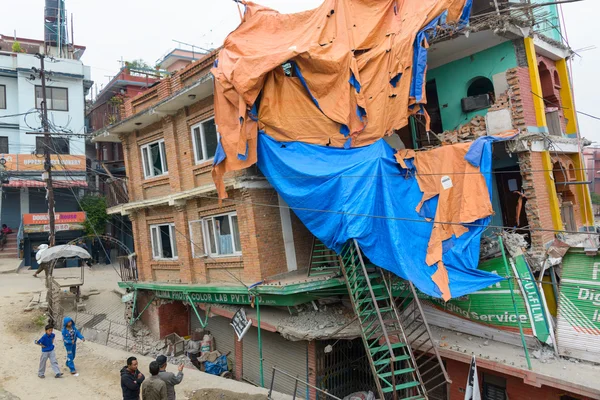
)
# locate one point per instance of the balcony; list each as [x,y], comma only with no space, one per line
[116,193]
[128,266]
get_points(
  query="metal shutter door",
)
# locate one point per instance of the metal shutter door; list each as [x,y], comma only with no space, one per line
[283,354]
[223,333]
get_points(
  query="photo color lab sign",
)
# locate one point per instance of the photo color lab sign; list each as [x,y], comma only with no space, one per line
[578,326]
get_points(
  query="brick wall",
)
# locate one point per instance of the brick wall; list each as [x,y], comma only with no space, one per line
[537,206]
[302,241]
[515,387]
[169,85]
[239,357]
[268,231]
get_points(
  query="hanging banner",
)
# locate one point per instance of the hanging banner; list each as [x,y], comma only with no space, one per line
[472,389]
[241,324]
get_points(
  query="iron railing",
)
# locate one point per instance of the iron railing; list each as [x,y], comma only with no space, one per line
[128,265]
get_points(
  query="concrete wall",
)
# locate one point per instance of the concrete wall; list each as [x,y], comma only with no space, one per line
[453,80]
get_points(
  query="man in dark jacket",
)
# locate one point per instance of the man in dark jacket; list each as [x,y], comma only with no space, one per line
[168,377]
[131,380]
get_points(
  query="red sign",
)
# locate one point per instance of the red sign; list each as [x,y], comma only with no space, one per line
[59,218]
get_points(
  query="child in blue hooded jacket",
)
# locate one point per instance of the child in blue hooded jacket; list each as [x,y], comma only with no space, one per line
[70,335]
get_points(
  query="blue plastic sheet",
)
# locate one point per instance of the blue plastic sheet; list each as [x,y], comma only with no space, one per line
[420,56]
[364,194]
[218,367]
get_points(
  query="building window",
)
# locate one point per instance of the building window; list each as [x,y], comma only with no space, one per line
[164,245]
[205,138]
[57,145]
[3,144]
[2,97]
[58,98]
[222,235]
[494,387]
[154,159]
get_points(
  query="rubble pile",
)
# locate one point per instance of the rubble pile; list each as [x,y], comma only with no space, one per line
[468,132]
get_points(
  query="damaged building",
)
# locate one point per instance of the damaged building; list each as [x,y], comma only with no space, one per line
[493,89]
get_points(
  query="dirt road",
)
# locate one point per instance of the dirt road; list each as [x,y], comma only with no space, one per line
[98,365]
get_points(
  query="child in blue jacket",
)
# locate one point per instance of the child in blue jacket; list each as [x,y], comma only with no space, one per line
[46,342]
[70,335]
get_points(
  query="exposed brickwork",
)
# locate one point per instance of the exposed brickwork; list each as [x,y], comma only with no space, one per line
[521,97]
[302,241]
[269,237]
[516,389]
[167,318]
[537,206]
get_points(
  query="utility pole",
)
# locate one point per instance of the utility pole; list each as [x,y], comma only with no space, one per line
[47,162]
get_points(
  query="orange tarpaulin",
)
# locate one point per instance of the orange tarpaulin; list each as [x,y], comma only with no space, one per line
[352,72]
[463,197]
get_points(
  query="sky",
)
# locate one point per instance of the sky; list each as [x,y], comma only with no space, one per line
[132,29]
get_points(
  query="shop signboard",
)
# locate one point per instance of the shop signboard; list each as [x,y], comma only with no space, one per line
[493,306]
[578,319]
[32,162]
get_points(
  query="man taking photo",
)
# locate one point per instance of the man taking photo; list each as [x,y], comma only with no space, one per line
[168,377]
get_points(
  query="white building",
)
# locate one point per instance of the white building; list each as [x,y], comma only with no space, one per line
[20,100]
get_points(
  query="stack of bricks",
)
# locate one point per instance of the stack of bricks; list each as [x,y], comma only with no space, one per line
[468,132]
[515,99]
[536,193]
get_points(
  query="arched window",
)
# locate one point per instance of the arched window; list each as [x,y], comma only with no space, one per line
[480,85]
[556,80]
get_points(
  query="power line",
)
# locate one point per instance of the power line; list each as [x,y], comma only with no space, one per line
[564,108]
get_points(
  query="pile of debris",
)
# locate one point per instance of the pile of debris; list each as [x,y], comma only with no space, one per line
[468,132]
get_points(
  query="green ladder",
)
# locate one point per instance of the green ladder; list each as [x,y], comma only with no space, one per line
[416,329]
[391,359]
[323,261]
[405,364]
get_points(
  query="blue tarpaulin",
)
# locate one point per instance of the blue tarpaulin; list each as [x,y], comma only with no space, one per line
[364,194]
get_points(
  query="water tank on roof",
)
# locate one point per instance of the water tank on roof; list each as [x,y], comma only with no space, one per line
[55,23]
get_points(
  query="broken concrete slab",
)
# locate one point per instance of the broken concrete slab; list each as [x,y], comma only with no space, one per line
[9,265]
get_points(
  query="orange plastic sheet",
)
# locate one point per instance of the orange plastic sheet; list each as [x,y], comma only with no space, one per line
[463,197]
[367,41]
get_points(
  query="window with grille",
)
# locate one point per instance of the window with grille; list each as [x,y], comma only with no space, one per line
[164,244]
[494,387]
[154,159]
